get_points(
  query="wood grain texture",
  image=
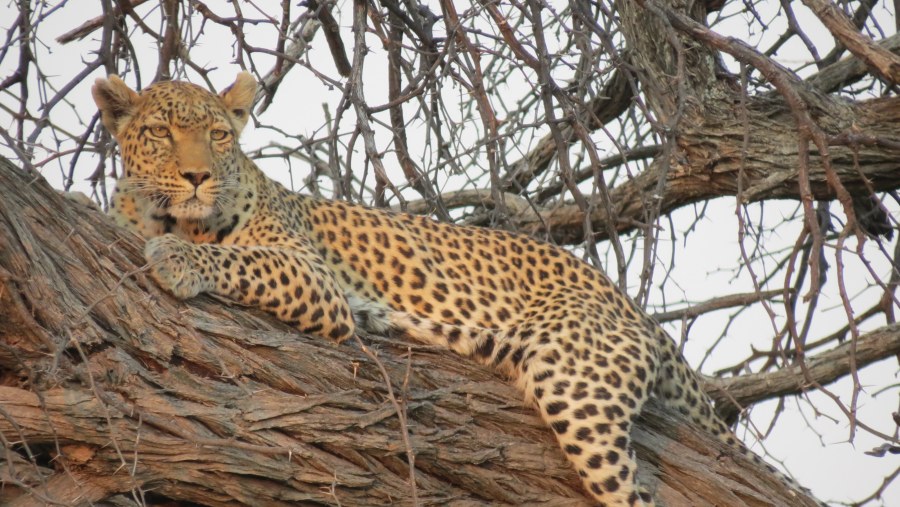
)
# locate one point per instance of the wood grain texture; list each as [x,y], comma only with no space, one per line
[113,390]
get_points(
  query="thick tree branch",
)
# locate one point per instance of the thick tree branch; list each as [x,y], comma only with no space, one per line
[848,70]
[116,381]
[714,156]
[733,394]
[884,63]
[714,147]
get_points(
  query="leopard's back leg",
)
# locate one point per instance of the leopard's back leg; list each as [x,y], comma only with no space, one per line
[589,382]
[590,385]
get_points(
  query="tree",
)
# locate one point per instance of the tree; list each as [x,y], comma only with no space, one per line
[600,125]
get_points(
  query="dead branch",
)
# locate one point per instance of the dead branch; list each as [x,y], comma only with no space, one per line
[716,156]
[332,35]
[849,70]
[477,198]
[96,23]
[614,99]
[733,394]
[719,303]
[882,61]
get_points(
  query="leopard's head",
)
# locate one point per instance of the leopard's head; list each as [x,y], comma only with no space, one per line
[179,142]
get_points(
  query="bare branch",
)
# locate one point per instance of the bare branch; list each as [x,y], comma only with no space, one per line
[849,70]
[89,26]
[733,394]
[715,162]
[719,303]
[332,36]
[885,63]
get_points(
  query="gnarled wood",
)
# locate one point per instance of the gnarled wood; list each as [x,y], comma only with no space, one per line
[714,161]
[110,387]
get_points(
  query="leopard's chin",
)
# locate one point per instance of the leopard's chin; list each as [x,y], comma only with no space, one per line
[192,209]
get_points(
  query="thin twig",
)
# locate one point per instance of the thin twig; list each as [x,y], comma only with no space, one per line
[401,414]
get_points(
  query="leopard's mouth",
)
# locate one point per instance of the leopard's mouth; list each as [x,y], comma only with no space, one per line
[194,207]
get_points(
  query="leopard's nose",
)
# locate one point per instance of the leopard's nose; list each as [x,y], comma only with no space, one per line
[196,177]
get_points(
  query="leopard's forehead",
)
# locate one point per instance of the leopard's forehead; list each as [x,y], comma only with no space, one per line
[181,104]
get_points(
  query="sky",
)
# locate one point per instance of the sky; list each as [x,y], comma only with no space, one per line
[811,437]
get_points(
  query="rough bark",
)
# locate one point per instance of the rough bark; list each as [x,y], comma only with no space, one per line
[725,143]
[111,388]
[715,162]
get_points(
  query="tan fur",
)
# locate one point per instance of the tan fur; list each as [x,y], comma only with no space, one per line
[578,347]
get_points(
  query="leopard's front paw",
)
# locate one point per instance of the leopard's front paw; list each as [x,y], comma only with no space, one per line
[173,265]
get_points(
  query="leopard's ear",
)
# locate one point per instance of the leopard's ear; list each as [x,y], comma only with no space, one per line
[238,98]
[116,102]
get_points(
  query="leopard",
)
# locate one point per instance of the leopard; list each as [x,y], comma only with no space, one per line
[582,352]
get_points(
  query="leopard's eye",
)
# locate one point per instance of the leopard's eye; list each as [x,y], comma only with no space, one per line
[218,134]
[159,131]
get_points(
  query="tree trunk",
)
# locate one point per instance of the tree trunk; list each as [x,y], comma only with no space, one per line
[109,388]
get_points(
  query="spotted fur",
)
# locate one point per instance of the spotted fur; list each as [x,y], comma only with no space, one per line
[578,347]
